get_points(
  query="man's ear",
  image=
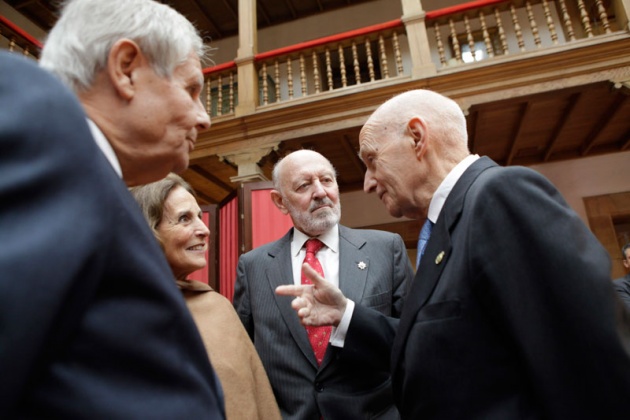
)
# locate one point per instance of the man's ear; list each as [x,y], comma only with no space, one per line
[418,132]
[124,57]
[279,202]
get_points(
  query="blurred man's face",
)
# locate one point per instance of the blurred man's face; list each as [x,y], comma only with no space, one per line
[167,116]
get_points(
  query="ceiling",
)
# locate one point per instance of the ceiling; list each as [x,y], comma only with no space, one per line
[215,19]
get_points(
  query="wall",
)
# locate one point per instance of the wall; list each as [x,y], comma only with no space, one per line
[579,178]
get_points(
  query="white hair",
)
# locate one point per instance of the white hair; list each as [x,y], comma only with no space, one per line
[77,47]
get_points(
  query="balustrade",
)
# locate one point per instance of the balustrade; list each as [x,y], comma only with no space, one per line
[14,39]
[458,36]
[463,34]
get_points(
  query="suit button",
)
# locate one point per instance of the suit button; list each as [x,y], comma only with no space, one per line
[319,387]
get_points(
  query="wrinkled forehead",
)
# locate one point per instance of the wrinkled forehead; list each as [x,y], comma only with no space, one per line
[316,168]
[304,166]
[190,68]
[373,133]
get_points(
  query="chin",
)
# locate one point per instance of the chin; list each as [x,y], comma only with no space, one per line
[394,212]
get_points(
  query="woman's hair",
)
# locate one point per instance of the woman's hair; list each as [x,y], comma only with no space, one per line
[78,46]
[151,198]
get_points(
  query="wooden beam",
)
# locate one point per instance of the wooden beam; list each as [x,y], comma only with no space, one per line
[201,13]
[607,116]
[472,120]
[289,4]
[354,157]
[519,131]
[625,141]
[199,170]
[566,116]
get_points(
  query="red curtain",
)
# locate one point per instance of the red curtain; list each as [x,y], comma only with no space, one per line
[268,223]
[228,247]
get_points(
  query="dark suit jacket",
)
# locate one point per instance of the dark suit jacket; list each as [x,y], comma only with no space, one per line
[622,286]
[511,314]
[91,322]
[335,390]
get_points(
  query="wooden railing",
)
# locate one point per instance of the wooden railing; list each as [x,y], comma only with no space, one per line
[482,30]
[15,39]
[457,36]
[220,92]
[335,62]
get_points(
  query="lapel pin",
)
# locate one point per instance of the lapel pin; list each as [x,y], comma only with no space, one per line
[439,257]
[361,265]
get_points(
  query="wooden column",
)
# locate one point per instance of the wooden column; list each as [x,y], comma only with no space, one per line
[419,49]
[248,47]
[622,13]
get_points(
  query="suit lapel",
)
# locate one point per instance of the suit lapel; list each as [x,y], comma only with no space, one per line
[436,255]
[280,272]
[352,278]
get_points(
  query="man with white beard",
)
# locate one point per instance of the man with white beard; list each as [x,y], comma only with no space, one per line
[371,268]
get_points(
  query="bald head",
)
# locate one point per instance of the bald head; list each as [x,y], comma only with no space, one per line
[442,114]
[299,158]
[409,145]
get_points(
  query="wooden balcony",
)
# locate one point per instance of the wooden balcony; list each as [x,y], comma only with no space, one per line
[539,81]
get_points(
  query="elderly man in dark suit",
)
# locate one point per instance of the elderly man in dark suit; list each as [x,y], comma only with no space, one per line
[91,322]
[512,314]
[371,267]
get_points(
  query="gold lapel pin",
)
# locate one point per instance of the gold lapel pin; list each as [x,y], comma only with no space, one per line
[439,257]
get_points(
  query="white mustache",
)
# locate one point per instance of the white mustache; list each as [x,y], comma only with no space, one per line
[320,203]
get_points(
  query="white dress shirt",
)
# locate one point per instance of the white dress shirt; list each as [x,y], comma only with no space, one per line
[106,148]
[328,257]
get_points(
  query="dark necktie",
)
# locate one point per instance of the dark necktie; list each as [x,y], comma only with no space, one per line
[318,336]
[425,233]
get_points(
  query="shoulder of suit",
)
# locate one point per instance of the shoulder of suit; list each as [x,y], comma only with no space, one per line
[371,234]
[623,281]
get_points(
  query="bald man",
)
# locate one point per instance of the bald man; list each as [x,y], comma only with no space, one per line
[371,268]
[511,314]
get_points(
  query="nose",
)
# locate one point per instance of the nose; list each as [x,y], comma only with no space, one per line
[203,119]
[318,190]
[201,230]
[369,183]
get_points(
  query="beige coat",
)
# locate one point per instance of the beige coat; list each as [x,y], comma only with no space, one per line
[248,394]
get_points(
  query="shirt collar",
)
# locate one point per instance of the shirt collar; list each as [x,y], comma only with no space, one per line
[442,192]
[106,148]
[329,238]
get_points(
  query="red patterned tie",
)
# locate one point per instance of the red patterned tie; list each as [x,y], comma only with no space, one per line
[318,336]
